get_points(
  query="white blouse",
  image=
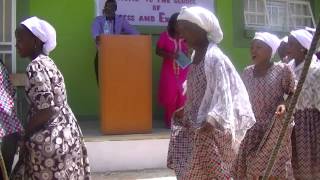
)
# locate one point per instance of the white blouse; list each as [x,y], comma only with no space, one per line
[310,95]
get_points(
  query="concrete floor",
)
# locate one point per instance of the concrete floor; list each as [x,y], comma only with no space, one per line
[149,174]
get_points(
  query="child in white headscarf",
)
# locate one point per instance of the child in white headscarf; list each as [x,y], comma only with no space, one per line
[282,50]
[217,113]
[53,145]
[306,133]
[267,84]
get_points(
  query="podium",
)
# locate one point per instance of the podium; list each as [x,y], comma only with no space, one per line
[125,80]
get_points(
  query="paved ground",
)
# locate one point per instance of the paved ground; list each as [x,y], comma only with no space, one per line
[150,174]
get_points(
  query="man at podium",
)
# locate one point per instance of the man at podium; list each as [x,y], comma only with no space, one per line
[109,23]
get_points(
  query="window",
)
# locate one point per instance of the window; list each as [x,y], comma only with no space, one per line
[277,15]
[7,28]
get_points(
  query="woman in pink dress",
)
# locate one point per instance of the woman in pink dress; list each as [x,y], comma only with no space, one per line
[170,93]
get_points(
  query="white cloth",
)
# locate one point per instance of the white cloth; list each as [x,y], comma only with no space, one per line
[271,40]
[310,94]
[205,19]
[303,36]
[44,31]
[226,99]
[311,30]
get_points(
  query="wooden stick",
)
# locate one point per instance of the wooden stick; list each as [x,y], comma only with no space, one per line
[3,168]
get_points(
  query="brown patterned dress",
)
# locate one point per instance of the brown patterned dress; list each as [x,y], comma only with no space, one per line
[57,150]
[306,133]
[217,95]
[194,155]
[265,93]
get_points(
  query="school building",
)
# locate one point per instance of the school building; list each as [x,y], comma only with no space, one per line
[75,50]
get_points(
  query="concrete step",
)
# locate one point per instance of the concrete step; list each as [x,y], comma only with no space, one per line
[146,174]
[105,156]
[128,152]
[109,153]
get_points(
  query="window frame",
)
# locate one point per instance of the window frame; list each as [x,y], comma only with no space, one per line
[8,45]
[268,26]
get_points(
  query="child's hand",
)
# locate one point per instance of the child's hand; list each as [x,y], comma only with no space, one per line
[174,56]
[178,118]
[280,112]
[205,127]
[179,114]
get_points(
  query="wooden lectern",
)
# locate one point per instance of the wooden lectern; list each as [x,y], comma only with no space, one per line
[125,79]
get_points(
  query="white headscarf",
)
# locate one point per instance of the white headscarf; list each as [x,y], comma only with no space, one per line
[311,30]
[284,39]
[271,40]
[303,36]
[205,20]
[44,31]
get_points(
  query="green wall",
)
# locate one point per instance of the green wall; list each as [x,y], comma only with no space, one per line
[75,51]
[234,43]
[316,9]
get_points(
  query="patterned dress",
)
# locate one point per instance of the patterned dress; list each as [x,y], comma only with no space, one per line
[57,150]
[265,93]
[213,86]
[306,132]
[193,158]
[180,146]
[9,122]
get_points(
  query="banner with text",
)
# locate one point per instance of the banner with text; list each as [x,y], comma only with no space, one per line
[152,12]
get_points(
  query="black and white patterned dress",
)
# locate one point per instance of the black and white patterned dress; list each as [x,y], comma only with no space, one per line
[57,150]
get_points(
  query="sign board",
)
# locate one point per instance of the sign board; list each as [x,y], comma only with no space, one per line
[152,12]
